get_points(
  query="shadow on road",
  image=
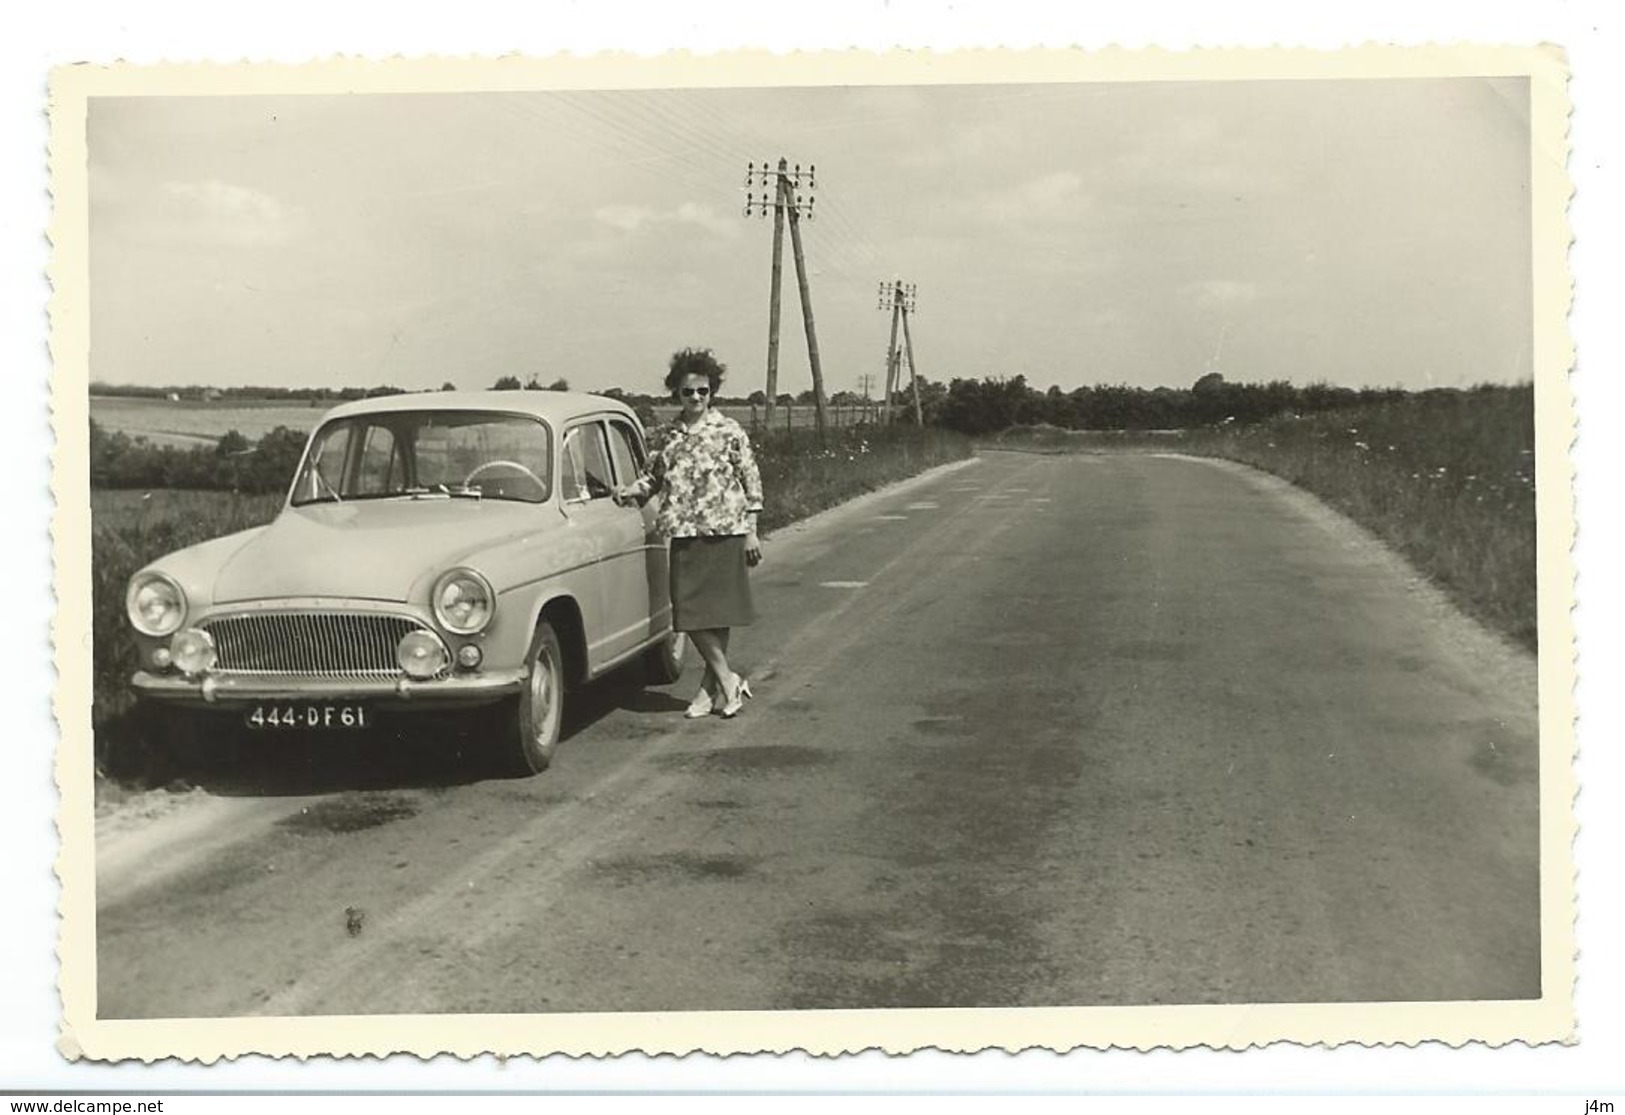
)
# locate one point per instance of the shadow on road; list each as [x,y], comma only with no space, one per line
[411,749]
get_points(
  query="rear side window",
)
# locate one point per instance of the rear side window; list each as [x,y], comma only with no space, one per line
[626,451]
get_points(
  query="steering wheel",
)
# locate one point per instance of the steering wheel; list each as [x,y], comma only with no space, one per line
[515,466]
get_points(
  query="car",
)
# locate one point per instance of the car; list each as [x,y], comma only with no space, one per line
[444,551]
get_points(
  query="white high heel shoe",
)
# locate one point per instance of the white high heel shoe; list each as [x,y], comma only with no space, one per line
[741,694]
[704,702]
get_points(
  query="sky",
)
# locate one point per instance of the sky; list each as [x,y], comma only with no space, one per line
[1366,233]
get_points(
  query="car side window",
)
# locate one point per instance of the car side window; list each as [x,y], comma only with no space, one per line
[587,473]
[626,451]
[324,471]
[573,469]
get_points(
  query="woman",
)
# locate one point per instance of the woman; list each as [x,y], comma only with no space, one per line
[712,494]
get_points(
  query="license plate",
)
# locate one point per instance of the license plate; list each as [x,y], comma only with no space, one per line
[308,716]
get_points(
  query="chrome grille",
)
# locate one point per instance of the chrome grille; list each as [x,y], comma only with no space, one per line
[309,644]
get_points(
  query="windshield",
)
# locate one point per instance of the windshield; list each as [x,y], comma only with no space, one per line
[427,454]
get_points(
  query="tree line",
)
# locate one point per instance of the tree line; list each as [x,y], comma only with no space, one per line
[968,406]
[981,406]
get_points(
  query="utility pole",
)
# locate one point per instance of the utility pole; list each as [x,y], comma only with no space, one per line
[787,202]
[913,369]
[898,297]
[866,384]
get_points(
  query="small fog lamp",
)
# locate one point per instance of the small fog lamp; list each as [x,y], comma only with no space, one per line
[421,654]
[193,651]
[469,656]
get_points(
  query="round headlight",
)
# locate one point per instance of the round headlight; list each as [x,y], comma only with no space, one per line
[463,601]
[193,651]
[421,654]
[156,605]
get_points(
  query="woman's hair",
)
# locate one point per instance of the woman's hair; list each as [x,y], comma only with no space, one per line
[695,362]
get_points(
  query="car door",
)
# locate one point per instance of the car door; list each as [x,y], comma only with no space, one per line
[617,535]
[627,452]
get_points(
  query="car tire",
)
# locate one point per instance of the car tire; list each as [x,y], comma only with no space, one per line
[532,722]
[663,662]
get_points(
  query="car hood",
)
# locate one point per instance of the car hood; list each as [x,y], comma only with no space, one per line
[374,550]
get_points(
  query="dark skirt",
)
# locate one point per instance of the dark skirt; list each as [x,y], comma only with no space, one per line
[709,584]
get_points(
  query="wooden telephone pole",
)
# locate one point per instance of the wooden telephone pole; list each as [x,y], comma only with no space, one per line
[787,202]
[899,297]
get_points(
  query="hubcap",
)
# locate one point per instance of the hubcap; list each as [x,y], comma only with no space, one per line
[543,705]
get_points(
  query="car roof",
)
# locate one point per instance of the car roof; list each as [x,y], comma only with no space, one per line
[553,406]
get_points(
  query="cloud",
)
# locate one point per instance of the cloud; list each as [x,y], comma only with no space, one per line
[1056,197]
[630,219]
[1221,293]
[218,212]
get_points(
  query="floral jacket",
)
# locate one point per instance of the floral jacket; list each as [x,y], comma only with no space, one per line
[708,477]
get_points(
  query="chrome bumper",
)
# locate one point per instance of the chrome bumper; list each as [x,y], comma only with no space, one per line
[213,689]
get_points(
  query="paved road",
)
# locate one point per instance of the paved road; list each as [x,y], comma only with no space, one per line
[1037,731]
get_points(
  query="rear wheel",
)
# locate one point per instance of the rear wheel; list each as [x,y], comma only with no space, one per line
[529,732]
[663,662]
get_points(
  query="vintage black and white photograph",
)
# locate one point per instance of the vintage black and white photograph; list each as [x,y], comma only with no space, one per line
[650,546]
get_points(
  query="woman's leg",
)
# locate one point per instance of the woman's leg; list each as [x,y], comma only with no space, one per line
[712,644]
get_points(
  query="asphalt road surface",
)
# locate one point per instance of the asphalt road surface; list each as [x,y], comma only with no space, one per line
[1041,730]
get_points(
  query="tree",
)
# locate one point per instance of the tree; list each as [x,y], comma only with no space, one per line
[507,383]
[560,384]
[448,386]
[757,398]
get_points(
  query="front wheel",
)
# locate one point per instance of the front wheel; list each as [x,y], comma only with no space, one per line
[529,731]
[663,662]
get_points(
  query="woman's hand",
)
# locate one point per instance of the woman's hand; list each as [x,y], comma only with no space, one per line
[753,548]
[624,497]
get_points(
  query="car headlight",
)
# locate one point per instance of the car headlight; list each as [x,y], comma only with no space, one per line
[155,603]
[463,601]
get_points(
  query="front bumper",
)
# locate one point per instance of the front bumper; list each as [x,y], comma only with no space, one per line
[233,689]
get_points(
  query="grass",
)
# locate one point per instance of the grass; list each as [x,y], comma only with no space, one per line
[1447,479]
[193,421]
[128,530]
[132,528]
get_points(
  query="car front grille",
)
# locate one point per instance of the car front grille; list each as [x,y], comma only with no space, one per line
[309,644]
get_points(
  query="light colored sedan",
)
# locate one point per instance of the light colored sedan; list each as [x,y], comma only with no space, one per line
[438,550]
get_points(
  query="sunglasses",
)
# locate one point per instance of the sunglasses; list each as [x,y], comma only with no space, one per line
[702,392]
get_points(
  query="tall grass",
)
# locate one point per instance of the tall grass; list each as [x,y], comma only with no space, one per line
[130,529]
[1446,478]
[802,476]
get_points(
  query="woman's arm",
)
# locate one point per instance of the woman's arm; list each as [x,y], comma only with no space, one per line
[750,479]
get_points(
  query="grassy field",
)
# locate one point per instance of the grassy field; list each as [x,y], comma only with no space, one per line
[194,422]
[132,528]
[1447,480]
